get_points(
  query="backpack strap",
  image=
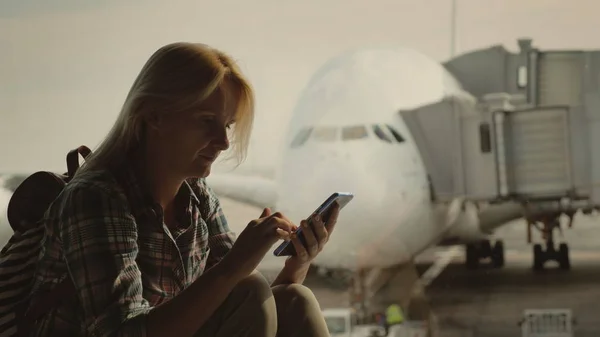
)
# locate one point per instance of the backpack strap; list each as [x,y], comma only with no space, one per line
[73,160]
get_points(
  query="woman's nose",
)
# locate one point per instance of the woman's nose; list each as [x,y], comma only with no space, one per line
[221,139]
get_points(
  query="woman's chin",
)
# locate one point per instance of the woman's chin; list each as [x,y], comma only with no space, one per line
[201,169]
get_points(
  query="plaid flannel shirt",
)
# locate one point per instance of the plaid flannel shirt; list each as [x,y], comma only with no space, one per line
[109,237]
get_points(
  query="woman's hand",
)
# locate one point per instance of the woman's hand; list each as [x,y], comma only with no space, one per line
[316,237]
[255,241]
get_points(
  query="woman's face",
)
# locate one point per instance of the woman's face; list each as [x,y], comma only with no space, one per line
[190,141]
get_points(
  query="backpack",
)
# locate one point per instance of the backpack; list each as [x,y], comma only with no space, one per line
[18,258]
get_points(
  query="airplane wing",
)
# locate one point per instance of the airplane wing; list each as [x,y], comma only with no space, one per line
[253,190]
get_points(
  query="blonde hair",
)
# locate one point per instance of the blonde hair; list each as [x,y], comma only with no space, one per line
[177,77]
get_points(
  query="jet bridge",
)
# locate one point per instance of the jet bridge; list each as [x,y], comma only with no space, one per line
[497,150]
[532,141]
[530,137]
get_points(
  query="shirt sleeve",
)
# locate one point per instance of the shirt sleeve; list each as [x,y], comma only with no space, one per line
[221,238]
[99,240]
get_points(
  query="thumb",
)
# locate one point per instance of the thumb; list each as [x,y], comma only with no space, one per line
[266,212]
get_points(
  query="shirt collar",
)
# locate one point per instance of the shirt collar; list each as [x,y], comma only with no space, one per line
[141,201]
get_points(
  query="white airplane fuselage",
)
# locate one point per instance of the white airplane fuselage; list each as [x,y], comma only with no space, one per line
[391,218]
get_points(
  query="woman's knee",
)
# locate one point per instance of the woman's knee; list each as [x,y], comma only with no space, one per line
[254,290]
[255,301]
[248,310]
[295,297]
[298,312]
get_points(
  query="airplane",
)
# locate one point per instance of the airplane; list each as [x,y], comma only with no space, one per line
[346,134]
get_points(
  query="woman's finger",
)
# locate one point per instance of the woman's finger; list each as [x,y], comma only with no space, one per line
[301,252]
[275,222]
[319,230]
[333,217]
[282,235]
[282,216]
[312,245]
[265,213]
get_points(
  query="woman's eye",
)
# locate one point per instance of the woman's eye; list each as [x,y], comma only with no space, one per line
[206,120]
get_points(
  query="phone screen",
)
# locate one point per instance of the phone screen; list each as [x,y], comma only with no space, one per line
[342,198]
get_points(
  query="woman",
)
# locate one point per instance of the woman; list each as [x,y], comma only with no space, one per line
[144,239]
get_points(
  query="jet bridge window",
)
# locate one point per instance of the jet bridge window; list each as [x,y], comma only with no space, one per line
[381,134]
[485,138]
[522,77]
[301,137]
[354,132]
[395,133]
[325,134]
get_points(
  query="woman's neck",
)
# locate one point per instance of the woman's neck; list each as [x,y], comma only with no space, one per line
[162,184]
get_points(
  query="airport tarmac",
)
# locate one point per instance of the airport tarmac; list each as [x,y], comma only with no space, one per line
[489,302]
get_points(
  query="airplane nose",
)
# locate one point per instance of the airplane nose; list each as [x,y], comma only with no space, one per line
[357,224]
[314,177]
[366,235]
[328,155]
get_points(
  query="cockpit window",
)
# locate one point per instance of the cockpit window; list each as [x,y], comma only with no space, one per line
[395,133]
[325,134]
[381,134]
[354,132]
[301,137]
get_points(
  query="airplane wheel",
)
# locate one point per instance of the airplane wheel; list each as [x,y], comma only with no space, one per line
[538,257]
[498,254]
[472,256]
[563,253]
[486,248]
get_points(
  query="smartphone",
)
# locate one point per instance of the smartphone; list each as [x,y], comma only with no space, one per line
[342,198]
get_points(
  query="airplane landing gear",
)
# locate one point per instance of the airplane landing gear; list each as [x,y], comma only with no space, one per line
[484,249]
[561,255]
[550,253]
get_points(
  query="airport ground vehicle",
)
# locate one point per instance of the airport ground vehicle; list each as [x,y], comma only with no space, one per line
[547,323]
[343,322]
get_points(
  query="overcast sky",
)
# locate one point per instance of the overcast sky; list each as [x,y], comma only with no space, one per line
[66,65]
